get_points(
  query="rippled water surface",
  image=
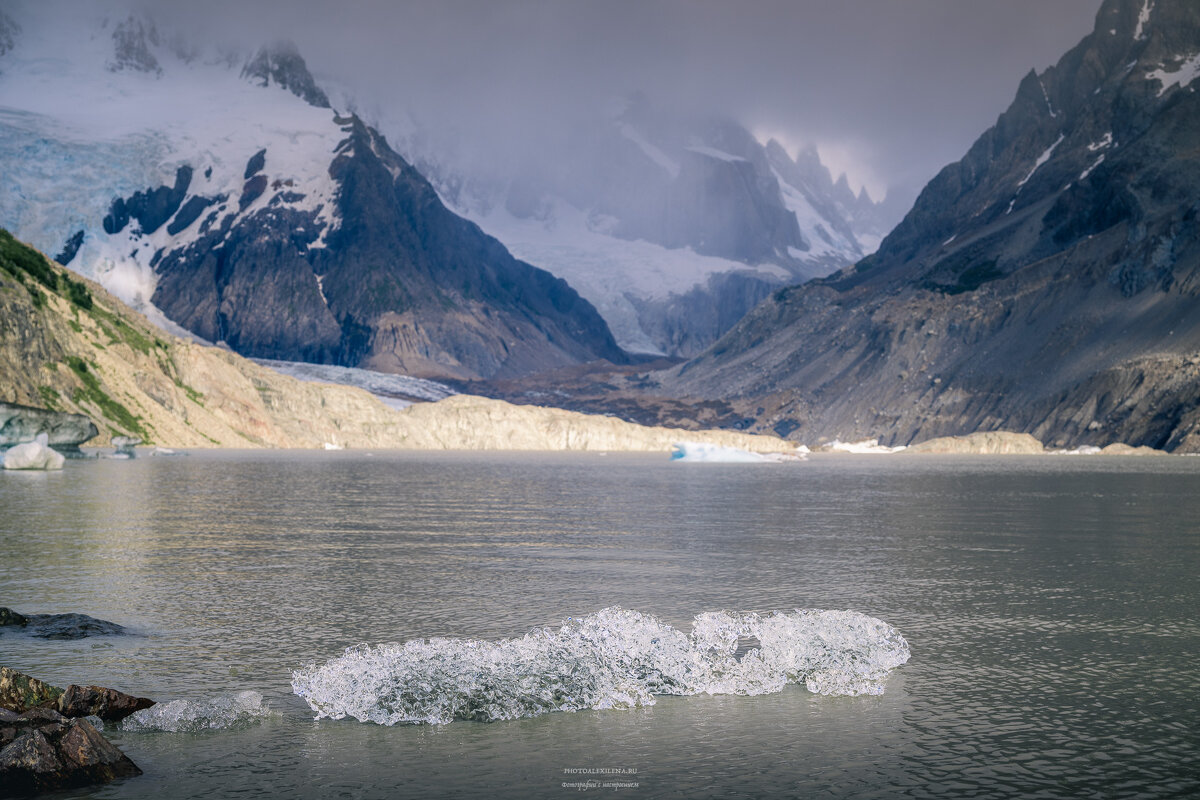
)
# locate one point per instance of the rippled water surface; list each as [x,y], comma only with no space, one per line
[1050,605]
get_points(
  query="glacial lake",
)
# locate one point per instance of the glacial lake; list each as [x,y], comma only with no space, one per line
[1050,605]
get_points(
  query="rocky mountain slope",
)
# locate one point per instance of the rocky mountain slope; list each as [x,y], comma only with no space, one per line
[67,344]
[1049,282]
[673,225]
[226,193]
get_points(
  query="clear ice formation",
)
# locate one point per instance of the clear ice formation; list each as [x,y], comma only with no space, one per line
[190,716]
[614,658]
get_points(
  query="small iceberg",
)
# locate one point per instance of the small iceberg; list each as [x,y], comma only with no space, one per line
[614,658]
[1082,450]
[191,716]
[866,446]
[34,455]
[125,446]
[700,451]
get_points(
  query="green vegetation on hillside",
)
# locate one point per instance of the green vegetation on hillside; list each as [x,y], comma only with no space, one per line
[92,392]
[23,262]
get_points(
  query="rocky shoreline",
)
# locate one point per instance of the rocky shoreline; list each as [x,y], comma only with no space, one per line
[48,739]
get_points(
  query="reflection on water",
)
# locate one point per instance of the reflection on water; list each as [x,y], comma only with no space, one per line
[1049,604]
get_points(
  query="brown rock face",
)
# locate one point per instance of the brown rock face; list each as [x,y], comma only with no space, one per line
[83,748]
[31,754]
[107,704]
[45,752]
[987,443]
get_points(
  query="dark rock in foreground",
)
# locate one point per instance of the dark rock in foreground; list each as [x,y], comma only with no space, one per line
[59,626]
[41,750]
[19,424]
[45,744]
[20,693]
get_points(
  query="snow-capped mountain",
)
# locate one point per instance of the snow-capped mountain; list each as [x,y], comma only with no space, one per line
[221,189]
[673,226]
[1048,282]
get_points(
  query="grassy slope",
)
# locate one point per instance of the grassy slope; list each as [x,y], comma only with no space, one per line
[68,345]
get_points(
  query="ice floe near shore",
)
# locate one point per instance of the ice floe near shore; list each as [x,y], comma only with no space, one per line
[866,446]
[614,658]
[701,451]
[33,455]
[240,710]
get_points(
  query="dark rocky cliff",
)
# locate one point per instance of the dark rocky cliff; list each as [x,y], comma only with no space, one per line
[1049,282]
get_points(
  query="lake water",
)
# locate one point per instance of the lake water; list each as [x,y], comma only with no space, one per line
[1050,605]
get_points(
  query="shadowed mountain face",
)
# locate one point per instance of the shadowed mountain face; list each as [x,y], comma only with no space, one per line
[1048,283]
[393,281]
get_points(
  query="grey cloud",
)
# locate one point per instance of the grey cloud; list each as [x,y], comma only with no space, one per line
[903,86]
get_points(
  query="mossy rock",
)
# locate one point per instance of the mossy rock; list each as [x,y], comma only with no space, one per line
[19,692]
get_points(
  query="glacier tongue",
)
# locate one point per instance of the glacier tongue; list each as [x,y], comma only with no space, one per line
[614,658]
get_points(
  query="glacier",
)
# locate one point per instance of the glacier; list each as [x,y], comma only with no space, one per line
[614,658]
[75,135]
[393,390]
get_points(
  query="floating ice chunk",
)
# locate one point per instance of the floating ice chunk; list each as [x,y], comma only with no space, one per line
[125,446]
[864,446]
[700,451]
[614,658]
[1082,450]
[33,455]
[189,716]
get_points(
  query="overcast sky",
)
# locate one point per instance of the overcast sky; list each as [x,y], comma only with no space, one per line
[889,90]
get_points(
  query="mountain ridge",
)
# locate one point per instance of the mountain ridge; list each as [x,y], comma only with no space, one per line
[1046,283]
[296,233]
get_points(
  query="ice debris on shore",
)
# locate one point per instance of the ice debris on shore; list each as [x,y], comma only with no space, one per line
[240,710]
[614,658]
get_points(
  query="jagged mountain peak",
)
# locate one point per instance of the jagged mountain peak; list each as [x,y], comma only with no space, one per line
[281,64]
[1058,144]
[9,31]
[1048,282]
[134,40]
